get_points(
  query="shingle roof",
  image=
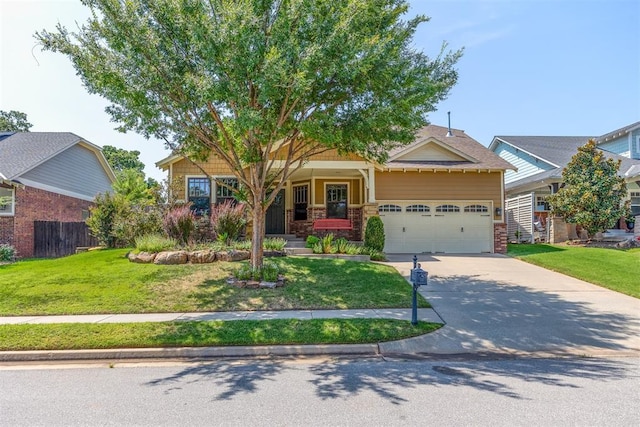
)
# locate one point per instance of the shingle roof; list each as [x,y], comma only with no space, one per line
[618,132]
[23,151]
[483,158]
[556,150]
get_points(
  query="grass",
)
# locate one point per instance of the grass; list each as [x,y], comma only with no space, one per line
[106,282]
[618,270]
[69,336]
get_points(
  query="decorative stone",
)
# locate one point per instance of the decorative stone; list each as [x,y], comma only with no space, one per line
[253,284]
[202,257]
[268,285]
[627,244]
[232,256]
[272,254]
[142,257]
[170,258]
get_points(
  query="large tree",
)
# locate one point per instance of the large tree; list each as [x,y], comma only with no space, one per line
[243,79]
[14,121]
[120,159]
[593,195]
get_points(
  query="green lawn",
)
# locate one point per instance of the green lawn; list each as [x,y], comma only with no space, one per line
[106,282]
[618,270]
[195,334]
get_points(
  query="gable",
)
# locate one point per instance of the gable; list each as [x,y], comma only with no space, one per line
[618,145]
[526,164]
[431,152]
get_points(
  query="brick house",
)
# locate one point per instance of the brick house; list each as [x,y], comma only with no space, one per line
[441,193]
[47,176]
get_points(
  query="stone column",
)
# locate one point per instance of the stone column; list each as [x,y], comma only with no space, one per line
[558,230]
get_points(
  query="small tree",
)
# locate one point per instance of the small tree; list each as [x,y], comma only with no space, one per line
[593,194]
[14,121]
[374,234]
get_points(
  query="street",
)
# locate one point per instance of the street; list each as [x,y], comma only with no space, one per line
[327,392]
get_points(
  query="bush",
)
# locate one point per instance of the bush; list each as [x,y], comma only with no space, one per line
[341,245]
[270,271]
[374,254]
[154,243]
[311,241]
[242,245]
[7,252]
[133,221]
[374,234]
[274,244]
[228,219]
[103,217]
[179,224]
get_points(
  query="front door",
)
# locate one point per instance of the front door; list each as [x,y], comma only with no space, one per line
[274,219]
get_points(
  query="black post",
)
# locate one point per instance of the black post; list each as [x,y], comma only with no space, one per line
[414,307]
[415,262]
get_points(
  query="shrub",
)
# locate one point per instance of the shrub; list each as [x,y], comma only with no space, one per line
[154,243]
[374,254]
[7,252]
[179,224]
[274,244]
[228,218]
[242,245]
[270,271]
[102,219]
[311,241]
[133,221]
[244,272]
[317,248]
[341,245]
[352,249]
[374,234]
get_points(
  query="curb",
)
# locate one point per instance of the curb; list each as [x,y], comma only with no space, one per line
[190,352]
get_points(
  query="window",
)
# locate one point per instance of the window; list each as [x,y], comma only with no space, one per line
[418,208]
[389,208]
[635,203]
[476,208]
[638,144]
[541,203]
[447,208]
[225,189]
[300,201]
[199,194]
[6,201]
[337,201]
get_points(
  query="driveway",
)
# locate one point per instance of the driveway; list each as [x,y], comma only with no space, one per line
[496,304]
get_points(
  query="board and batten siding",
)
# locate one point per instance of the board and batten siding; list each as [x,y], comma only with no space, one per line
[635,144]
[618,146]
[439,186]
[77,169]
[527,165]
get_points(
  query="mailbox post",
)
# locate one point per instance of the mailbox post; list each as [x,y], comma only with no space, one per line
[418,278]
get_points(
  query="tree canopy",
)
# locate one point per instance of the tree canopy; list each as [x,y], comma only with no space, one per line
[14,121]
[120,159]
[239,78]
[593,195]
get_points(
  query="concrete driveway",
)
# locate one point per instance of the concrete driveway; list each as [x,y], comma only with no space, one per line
[497,304]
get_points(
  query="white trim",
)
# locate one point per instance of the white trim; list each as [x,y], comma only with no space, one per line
[12,204]
[186,187]
[56,190]
[327,164]
[430,140]
[524,151]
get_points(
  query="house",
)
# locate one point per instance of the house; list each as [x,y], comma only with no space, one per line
[540,161]
[47,176]
[441,193]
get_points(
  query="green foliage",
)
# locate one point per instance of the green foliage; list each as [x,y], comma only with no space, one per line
[317,248]
[131,185]
[274,244]
[14,121]
[102,218]
[374,254]
[179,224]
[154,243]
[132,221]
[593,193]
[121,160]
[311,241]
[228,220]
[7,252]
[240,245]
[243,272]
[270,271]
[341,245]
[237,78]
[374,234]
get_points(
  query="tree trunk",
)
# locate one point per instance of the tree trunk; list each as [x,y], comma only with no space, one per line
[257,236]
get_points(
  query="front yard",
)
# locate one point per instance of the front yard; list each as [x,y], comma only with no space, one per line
[618,270]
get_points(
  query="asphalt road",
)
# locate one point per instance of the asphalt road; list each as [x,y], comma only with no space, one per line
[514,392]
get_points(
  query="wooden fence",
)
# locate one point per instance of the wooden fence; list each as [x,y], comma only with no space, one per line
[55,239]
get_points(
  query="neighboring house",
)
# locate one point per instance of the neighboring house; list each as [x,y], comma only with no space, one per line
[439,194]
[47,176]
[540,161]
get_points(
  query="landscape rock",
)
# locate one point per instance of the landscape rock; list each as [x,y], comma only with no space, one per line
[142,257]
[232,256]
[202,257]
[627,244]
[170,258]
[252,284]
[268,285]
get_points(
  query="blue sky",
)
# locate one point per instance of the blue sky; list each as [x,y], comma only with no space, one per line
[543,67]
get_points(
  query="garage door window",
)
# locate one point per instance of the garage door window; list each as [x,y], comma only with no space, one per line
[476,208]
[418,208]
[389,208]
[447,208]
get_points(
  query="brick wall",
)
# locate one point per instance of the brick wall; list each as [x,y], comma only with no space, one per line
[6,230]
[305,228]
[500,238]
[40,205]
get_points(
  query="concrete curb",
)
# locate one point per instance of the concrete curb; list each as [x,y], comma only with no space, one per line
[190,352]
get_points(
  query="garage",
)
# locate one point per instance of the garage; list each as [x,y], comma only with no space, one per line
[437,227]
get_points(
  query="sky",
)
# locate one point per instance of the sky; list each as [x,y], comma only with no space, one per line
[530,67]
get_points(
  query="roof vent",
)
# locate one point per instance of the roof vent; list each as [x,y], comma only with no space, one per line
[449,131]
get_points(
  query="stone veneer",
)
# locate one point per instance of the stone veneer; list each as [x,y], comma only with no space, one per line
[500,238]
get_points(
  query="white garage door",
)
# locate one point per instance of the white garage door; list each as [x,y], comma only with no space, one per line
[437,227]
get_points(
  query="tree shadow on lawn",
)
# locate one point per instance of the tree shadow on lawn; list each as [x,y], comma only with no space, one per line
[394,380]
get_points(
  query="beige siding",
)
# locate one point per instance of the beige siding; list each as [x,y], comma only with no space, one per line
[214,167]
[439,186]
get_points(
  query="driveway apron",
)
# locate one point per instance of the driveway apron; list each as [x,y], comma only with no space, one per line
[497,304]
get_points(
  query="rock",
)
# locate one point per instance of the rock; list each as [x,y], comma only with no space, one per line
[170,258]
[268,285]
[271,254]
[627,244]
[202,257]
[232,256]
[142,257]
[252,284]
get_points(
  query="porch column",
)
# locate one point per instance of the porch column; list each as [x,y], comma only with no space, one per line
[372,185]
